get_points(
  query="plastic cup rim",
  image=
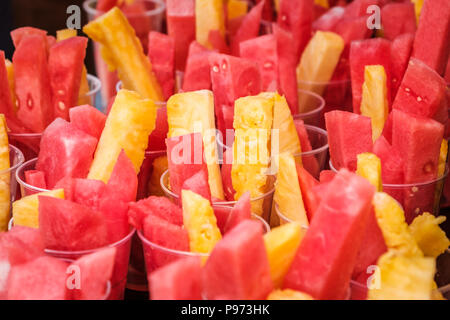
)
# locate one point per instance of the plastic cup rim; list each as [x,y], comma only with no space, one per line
[317,150]
[254,216]
[314,111]
[97,85]
[17,165]
[160,7]
[22,182]
[283,217]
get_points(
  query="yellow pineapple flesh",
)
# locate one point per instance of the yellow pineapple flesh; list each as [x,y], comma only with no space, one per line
[374,102]
[26,210]
[123,52]
[322,3]
[12,84]
[317,64]
[160,165]
[281,246]
[443,153]
[191,112]
[5,175]
[369,167]
[418,4]
[200,222]
[65,34]
[129,123]
[431,239]
[236,9]
[288,294]
[209,15]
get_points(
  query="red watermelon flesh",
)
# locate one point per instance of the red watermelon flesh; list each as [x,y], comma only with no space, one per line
[307,183]
[164,234]
[137,16]
[181,27]
[161,51]
[88,119]
[387,129]
[40,279]
[87,192]
[359,286]
[241,211]
[32,83]
[400,52]
[222,213]
[180,280]
[218,42]
[327,255]
[65,65]
[263,51]
[358,8]
[329,20]
[232,78]
[397,19]
[297,16]
[197,75]
[6,103]
[65,152]
[248,29]
[157,139]
[309,162]
[391,161]
[286,67]
[161,207]
[267,13]
[18,34]
[233,25]
[21,244]
[349,134]
[35,178]
[5,267]
[66,225]
[422,92]
[327,176]
[227,275]
[198,183]
[105,5]
[95,270]
[123,179]
[352,29]
[431,44]
[368,52]
[226,175]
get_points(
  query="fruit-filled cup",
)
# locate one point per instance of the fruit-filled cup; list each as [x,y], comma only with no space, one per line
[311,107]
[144,16]
[29,143]
[27,189]
[16,159]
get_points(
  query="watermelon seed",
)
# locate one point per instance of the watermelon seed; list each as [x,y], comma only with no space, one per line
[268,65]
[224,66]
[216,69]
[61,105]
[407,89]
[29,102]
[414,189]
[419,99]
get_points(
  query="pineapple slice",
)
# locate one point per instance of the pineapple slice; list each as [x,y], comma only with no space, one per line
[26,210]
[418,4]
[253,118]
[209,15]
[317,64]
[403,277]
[123,52]
[391,219]
[194,112]
[288,294]
[288,195]
[236,9]
[322,3]
[200,222]
[5,175]
[65,34]
[281,246]
[160,165]
[129,123]
[428,235]
[374,103]
[369,167]
[12,84]
[277,5]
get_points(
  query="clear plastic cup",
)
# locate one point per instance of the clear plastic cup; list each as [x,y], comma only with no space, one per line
[314,161]
[25,188]
[150,20]
[119,276]
[93,96]
[284,220]
[311,106]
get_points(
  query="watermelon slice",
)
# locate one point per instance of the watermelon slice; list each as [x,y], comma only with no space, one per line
[65,65]
[32,83]
[85,192]
[218,42]
[267,13]
[422,92]
[136,13]
[232,78]
[161,51]
[40,279]
[105,5]
[358,8]
[326,176]
[352,29]
[431,43]
[35,178]
[180,280]
[241,211]
[18,34]
[400,52]
[161,207]
[65,225]
[123,179]
[197,75]
[323,266]
[368,52]
[157,139]
[391,161]
[227,275]
[95,271]
[88,119]
[397,19]
[65,152]
[248,29]
[349,134]
[21,244]
[307,183]
[198,183]
[309,162]
[222,213]
[329,20]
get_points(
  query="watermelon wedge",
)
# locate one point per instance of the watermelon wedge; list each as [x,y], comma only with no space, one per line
[241,211]
[218,42]
[21,245]
[35,178]
[18,34]
[397,19]
[326,176]
[85,192]
[161,52]
[88,119]
[391,161]
[157,139]
[352,29]
[198,183]
[358,8]
[197,74]
[400,52]
[267,13]
[307,183]
[310,162]
[329,20]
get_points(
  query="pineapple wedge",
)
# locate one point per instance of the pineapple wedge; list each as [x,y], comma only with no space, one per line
[5,175]
[209,15]
[26,210]
[403,277]
[65,34]
[236,9]
[123,52]
[317,64]
[369,167]
[288,294]
[418,4]
[191,112]
[322,3]
[391,219]
[288,195]
[200,222]
[253,118]
[12,84]
[129,123]
[374,102]
[431,239]
[160,165]
[281,246]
